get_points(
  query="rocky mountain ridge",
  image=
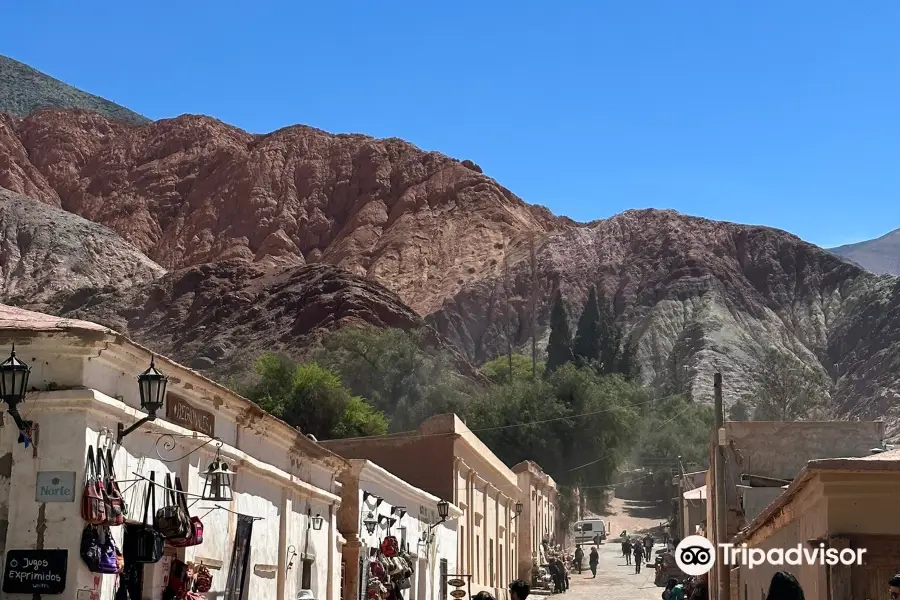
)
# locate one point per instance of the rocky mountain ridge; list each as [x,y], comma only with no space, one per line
[192,190]
[880,256]
[270,240]
[24,90]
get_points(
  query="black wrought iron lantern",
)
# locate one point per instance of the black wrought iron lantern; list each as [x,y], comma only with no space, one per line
[443,509]
[519,507]
[217,487]
[152,387]
[317,522]
[13,385]
[370,523]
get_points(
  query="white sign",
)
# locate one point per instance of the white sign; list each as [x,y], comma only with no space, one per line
[55,486]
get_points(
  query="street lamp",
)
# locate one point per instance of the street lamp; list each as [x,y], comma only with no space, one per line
[152,386]
[218,481]
[370,523]
[443,512]
[519,507]
[13,385]
[316,521]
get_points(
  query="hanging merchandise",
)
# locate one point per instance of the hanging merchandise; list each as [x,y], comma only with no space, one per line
[112,497]
[172,520]
[204,580]
[390,546]
[99,551]
[195,537]
[93,499]
[145,544]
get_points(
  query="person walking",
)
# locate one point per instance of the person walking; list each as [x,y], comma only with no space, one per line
[594,560]
[628,550]
[578,558]
[648,548]
[638,556]
[784,586]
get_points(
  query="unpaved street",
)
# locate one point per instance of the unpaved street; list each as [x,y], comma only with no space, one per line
[615,580]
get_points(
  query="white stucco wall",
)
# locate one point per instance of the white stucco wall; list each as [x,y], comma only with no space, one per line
[276,483]
[421,513]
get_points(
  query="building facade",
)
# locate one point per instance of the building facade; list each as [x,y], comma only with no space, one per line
[763,457]
[540,508]
[841,503]
[276,536]
[444,458]
[375,499]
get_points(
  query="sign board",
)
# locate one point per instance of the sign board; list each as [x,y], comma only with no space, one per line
[35,571]
[458,593]
[180,412]
[55,486]
[456,582]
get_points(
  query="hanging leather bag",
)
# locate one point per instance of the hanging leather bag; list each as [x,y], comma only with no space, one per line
[172,520]
[99,551]
[195,537]
[114,503]
[144,544]
[204,579]
[93,499]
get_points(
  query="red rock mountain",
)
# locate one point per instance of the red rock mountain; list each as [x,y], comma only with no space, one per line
[271,239]
[193,190]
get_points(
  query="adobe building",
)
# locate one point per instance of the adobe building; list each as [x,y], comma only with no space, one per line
[692,509]
[540,511]
[377,504]
[444,458]
[268,532]
[839,503]
[763,457]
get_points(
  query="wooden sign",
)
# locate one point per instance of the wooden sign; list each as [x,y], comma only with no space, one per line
[458,593]
[456,583]
[180,412]
[35,571]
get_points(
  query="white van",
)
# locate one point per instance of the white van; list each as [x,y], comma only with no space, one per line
[587,530]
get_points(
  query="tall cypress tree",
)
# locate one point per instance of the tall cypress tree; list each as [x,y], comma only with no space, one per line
[609,337]
[559,347]
[586,346]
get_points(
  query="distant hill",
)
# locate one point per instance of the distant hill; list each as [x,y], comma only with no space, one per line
[24,90]
[880,256]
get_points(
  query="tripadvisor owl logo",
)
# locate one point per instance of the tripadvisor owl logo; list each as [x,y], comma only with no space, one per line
[695,555]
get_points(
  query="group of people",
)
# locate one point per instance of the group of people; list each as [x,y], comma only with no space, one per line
[559,574]
[593,559]
[638,550]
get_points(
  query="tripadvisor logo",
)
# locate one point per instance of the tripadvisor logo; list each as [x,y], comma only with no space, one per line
[696,555]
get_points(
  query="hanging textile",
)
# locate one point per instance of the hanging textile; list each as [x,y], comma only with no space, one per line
[240,557]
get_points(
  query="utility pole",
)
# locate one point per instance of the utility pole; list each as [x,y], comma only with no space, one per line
[721,524]
[533,308]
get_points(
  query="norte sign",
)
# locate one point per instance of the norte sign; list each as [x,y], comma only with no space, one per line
[55,486]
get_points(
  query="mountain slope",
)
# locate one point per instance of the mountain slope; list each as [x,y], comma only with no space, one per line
[24,90]
[218,317]
[880,256]
[695,292]
[192,190]
[46,250]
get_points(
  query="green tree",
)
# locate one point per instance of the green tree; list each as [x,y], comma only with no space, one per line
[586,345]
[559,346]
[312,398]
[628,365]
[672,427]
[784,388]
[497,370]
[739,411]
[390,369]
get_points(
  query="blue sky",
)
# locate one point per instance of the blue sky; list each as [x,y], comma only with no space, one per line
[775,113]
